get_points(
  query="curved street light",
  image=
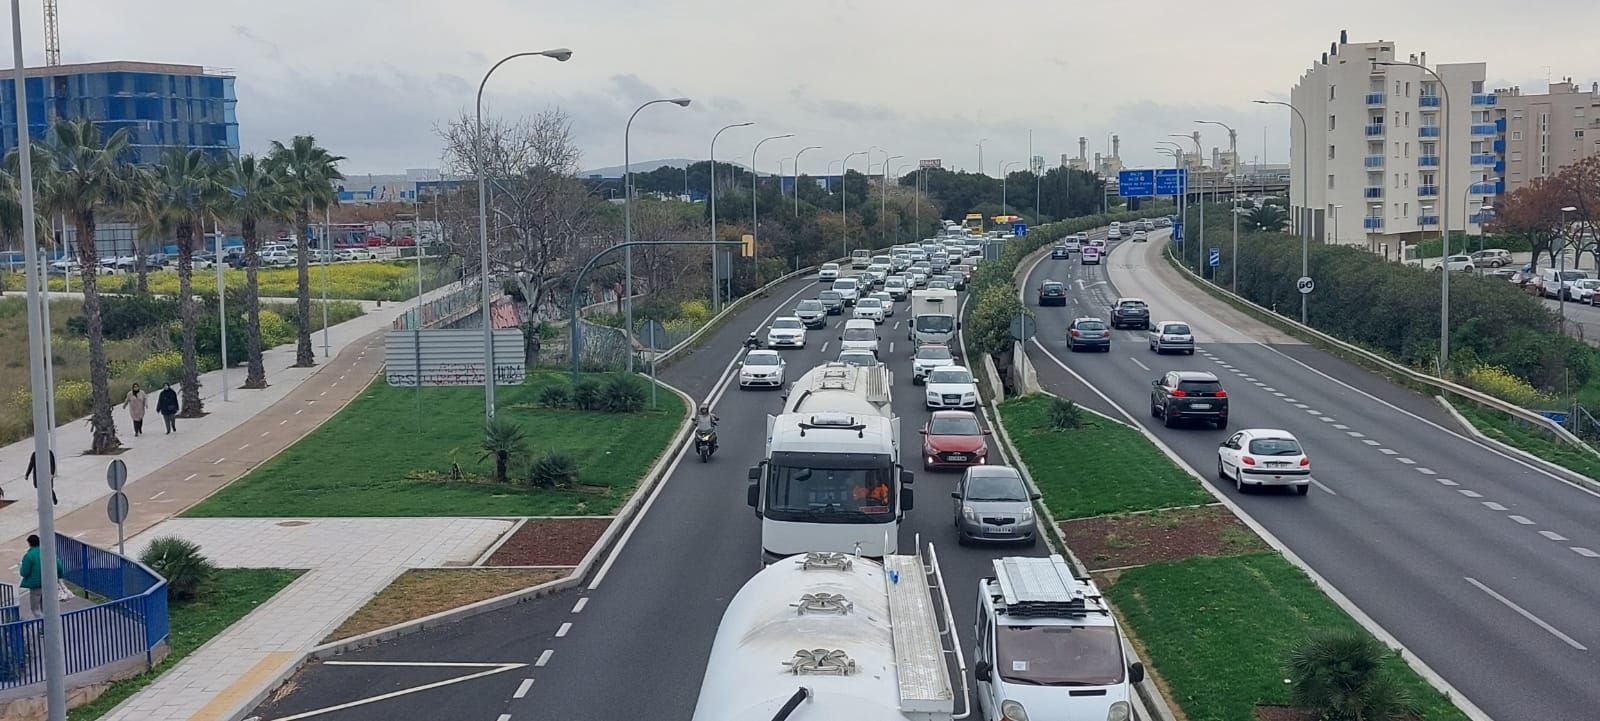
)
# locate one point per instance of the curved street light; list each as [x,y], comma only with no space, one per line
[1003,166]
[627,221]
[883,198]
[1234,151]
[1305,185]
[844,214]
[711,191]
[797,176]
[755,176]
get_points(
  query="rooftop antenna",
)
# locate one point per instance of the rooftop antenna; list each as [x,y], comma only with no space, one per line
[52,35]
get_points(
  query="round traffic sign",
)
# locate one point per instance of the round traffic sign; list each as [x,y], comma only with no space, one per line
[1023,327]
[117,474]
[1305,285]
[652,332]
[117,507]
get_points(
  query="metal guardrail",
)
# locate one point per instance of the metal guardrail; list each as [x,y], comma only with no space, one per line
[1471,394]
[133,624]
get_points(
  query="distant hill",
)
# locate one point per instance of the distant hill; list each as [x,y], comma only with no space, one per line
[643,166]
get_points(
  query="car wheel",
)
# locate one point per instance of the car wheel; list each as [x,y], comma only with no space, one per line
[1238,483]
[1166,418]
[1302,490]
[961,537]
[1222,474]
[1155,411]
[1106,349]
[1033,541]
[1190,351]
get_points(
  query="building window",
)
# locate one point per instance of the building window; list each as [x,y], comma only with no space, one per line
[1330,122]
[1408,118]
[1408,88]
[1330,152]
[1405,209]
[1477,86]
[1578,134]
[1408,149]
[1330,181]
[1330,93]
[1577,112]
[1516,177]
[1516,135]
[1516,115]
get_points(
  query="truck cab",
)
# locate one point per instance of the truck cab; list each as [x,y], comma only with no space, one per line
[860,258]
[933,316]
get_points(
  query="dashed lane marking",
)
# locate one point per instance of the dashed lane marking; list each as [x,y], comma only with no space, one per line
[190,477]
[544,658]
[523,688]
[1389,452]
[1552,535]
[1319,485]
[1406,461]
[1491,505]
[219,460]
[1446,482]
[1137,363]
[578,607]
[1370,442]
[1470,494]
[1525,614]
[562,632]
[1425,471]
[1586,553]
[1523,520]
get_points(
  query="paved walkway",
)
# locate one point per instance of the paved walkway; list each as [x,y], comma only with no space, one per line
[347,561]
[167,473]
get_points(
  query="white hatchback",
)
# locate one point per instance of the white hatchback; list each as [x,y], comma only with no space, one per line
[869,308]
[1257,457]
[951,387]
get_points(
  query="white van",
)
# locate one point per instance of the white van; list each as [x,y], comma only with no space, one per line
[1090,255]
[849,289]
[859,334]
[1553,283]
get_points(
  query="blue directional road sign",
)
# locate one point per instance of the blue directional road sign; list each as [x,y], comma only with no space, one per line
[1171,181]
[1215,257]
[1177,231]
[1136,183]
[1019,229]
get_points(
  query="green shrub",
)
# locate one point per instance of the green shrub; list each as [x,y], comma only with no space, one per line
[622,394]
[504,441]
[1065,414]
[1340,676]
[275,330]
[553,470]
[555,396]
[988,328]
[586,396]
[339,311]
[159,369]
[188,572]
[1500,383]
[126,316]
[694,310]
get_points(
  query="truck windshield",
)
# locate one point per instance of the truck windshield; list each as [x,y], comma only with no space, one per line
[806,487]
[860,334]
[936,323]
[1058,655]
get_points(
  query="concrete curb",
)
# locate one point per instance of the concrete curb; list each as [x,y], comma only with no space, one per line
[504,537]
[1553,468]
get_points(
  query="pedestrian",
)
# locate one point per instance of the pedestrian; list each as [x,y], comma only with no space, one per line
[167,406]
[135,403]
[33,576]
[32,472]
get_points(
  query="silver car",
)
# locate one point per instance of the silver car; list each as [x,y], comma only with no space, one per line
[1171,335]
[993,504]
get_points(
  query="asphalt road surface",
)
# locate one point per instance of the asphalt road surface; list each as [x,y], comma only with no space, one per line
[1484,567]
[641,629]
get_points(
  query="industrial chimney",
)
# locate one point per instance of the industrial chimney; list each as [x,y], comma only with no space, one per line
[1116,146]
[1083,148]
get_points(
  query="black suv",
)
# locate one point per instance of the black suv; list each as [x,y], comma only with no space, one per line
[1130,313]
[1189,395]
[1052,292]
[1060,251]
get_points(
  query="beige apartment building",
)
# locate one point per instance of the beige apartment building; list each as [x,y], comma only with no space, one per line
[1543,133]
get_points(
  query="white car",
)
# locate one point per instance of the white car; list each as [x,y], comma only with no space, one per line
[1256,457]
[897,287]
[1583,290]
[849,289]
[761,369]
[859,334]
[869,308]
[1456,263]
[919,277]
[928,357]
[1139,236]
[786,332]
[863,358]
[829,273]
[888,302]
[950,387]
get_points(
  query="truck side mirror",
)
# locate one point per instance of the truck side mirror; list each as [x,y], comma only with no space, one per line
[1136,672]
[755,473]
[956,495]
[752,495]
[907,499]
[906,478]
[981,670]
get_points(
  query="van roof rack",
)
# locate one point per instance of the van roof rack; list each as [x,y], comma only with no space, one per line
[1034,587]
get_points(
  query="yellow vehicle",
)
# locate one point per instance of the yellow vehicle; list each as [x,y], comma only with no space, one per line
[974,223]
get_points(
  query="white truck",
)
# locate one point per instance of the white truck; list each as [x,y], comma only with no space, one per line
[868,636]
[832,479]
[933,316]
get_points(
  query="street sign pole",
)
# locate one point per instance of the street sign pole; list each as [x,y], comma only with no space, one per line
[117,505]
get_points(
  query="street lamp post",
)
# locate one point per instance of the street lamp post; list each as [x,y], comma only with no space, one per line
[897,176]
[1002,169]
[1305,185]
[560,55]
[844,216]
[1183,191]
[1200,197]
[1233,150]
[627,221]
[755,232]
[883,199]
[716,295]
[797,176]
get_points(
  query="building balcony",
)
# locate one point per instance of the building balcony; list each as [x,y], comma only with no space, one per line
[1481,218]
[1484,189]
[1483,99]
[1428,131]
[1375,130]
[1500,125]
[1372,223]
[1499,145]
[1373,161]
[1483,129]
[1374,99]
[1428,101]
[1427,191]
[1426,220]
[1372,192]
[1427,161]
[1500,167]
[1483,159]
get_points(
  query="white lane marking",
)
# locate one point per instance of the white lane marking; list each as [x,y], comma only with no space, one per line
[1313,411]
[247,445]
[190,477]
[1341,427]
[1525,614]
[1279,394]
[896,324]
[1388,452]
[1370,442]
[1301,406]
[1491,505]
[891,346]
[1269,389]
[1524,520]
[504,717]
[1324,419]
[298,412]
[1425,471]
[1470,494]
[1446,482]
[1137,363]
[1552,535]
[1291,400]
[1318,484]
[825,346]
[565,628]
[1259,384]
[544,658]
[334,385]
[1354,434]
[578,607]
[1586,553]
[158,495]
[264,434]
[1406,461]
[286,420]
[1252,380]
[323,393]
[219,460]
[490,670]
[523,688]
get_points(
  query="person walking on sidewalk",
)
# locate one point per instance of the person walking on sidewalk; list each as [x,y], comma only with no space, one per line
[167,406]
[32,573]
[33,472]
[135,403]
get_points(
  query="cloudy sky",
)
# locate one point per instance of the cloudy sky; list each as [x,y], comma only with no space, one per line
[926,79]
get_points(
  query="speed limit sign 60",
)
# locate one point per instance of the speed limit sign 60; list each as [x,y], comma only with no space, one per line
[1305,285]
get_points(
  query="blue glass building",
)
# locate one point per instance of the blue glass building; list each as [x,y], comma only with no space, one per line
[160,105]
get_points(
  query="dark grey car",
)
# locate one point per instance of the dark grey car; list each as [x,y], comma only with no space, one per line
[812,313]
[1189,395]
[832,300]
[993,504]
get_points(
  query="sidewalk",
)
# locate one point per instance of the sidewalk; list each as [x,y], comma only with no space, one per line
[167,473]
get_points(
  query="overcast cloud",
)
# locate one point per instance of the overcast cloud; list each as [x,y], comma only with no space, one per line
[925,79]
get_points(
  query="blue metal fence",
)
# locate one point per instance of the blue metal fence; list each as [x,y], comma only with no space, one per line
[133,623]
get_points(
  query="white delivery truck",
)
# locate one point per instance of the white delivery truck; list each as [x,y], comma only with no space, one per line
[933,316]
[868,639]
[832,479]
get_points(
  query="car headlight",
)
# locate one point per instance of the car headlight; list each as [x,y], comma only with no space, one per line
[933,395]
[1120,711]
[1027,513]
[968,513]
[969,396]
[1013,711]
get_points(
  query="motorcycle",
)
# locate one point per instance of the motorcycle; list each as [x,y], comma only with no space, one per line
[753,342]
[705,444]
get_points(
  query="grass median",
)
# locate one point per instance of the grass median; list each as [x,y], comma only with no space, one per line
[371,459]
[237,592]
[1102,467]
[1519,434]
[1219,631]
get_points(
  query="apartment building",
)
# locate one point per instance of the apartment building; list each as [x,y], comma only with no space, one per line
[1542,133]
[1385,149]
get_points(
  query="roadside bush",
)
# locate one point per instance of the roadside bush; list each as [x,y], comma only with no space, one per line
[126,316]
[694,310]
[553,470]
[1340,676]
[622,394]
[1065,415]
[988,328]
[339,311]
[1500,383]
[586,395]
[503,440]
[188,572]
[159,369]
[275,330]
[555,396]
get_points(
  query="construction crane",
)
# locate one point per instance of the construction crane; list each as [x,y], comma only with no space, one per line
[52,35]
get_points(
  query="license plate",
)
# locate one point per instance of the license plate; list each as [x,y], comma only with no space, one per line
[956,457]
[1277,465]
[1000,531]
[1201,406]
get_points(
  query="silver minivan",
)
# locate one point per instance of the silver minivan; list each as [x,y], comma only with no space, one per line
[859,334]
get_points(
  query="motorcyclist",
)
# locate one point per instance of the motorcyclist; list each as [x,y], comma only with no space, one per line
[706,422]
[753,341]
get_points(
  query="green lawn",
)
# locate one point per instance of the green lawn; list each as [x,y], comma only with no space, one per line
[370,460]
[238,591]
[1101,468]
[1218,631]
[1517,434]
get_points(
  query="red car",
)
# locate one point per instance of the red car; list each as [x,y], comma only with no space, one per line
[954,439]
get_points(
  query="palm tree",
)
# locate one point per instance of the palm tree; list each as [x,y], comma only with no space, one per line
[503,440]
[11,205]
[255,195]
[181,193]
[1266,217]
[308,171]
[87,175]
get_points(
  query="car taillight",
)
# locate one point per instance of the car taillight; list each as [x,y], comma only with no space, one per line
[1074,332]
[1222,394]
[1304,462]
[1179,394]
[1248,461]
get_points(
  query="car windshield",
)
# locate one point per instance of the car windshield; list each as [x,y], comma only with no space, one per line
[1131,305]
[809,305]
[1091,325]
[954,426]
[1059,655]
[844,284]
[787,324]
[860,334]
[1571,275]
[761,360]
[1275,447]
[869,303]
[938,352]
[829,295]
[1175,329]
[936,323]
[830,266]
[996,487]
[950,375]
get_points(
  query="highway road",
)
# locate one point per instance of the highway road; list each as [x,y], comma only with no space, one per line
[1484,567]
[633,642]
